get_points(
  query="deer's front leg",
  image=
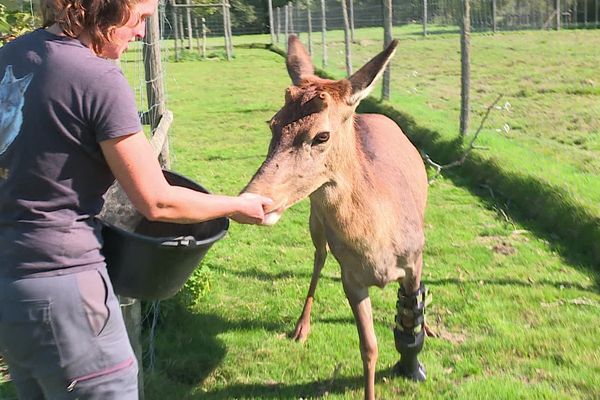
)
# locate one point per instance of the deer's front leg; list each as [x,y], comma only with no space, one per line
[361,308]
[317,233]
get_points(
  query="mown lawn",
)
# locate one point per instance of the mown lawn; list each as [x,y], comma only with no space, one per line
[516,320]
[516,309]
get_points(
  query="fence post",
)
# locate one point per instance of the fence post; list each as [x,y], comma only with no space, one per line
[271,27]
[278,32]
[229,31]
[162,8]
[424,17]
[494,17]
[204,37]
[286,30]
[291,10]
[309,21]
[347,38]
[351,3]
[226,30]
[188,15]
[175,30]
[558,16]
[197,33]
[465,57]
[387,38]
[181,30]
[324,32]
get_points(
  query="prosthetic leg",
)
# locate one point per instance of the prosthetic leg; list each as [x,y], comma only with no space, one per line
[409,333]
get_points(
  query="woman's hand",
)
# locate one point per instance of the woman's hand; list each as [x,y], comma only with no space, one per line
[252,209]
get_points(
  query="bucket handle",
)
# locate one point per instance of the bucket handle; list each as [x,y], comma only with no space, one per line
[180,241]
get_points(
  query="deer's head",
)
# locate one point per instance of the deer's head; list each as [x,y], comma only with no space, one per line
[313,133]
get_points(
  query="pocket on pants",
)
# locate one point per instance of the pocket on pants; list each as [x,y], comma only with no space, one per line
[94,294]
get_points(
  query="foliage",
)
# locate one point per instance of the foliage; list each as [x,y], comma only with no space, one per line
[14,23]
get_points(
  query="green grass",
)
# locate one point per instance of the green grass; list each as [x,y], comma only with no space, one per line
[547,162]
[515,325]
[516,309]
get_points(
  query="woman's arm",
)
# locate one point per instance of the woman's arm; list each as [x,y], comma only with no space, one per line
[134,165]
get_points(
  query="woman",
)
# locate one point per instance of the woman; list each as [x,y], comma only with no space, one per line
[68,127]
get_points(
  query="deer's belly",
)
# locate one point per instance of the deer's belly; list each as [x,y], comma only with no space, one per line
[369,268]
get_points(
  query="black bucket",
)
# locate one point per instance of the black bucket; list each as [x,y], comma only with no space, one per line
[156,260]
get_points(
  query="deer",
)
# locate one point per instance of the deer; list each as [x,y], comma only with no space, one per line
[367,186]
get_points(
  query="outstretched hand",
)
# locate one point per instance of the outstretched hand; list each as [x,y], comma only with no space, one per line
[252,208]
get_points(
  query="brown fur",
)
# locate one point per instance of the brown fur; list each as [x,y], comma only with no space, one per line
[366,182]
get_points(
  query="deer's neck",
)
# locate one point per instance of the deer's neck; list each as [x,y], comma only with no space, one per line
[350,187]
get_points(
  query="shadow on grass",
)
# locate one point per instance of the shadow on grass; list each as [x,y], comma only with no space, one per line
[572,230]
[259,275]
[191,360]
[188,354]
[513,282]
[310,390]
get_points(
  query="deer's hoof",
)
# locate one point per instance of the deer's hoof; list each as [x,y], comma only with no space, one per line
[416,373]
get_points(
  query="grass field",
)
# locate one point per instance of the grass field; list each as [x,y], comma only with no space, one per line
[541,143]
[516,308]
[516,319]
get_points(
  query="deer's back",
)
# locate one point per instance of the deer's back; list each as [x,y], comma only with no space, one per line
[392,160]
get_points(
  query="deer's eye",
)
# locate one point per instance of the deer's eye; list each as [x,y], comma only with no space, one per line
[322,137]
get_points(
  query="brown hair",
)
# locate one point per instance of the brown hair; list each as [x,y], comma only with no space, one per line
[98,18]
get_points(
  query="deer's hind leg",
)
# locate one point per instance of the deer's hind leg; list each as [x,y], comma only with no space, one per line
[317,233]
[409,332]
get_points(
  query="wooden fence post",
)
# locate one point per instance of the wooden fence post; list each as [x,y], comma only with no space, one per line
[286,25]
[558,16]
[203,37]
[181,30]
[278,31]
[229,31]
[424,17]
[351,15]
[324,32]
[387,38]
[494,19]
[197,33]
[224,6]
[175,26]
[465,56]
[309,22]
[347,38]
[188,15]
[291,10]
[271,27]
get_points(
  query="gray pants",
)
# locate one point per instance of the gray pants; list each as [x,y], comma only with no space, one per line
[63,337]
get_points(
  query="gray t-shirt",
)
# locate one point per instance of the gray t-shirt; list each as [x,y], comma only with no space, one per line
[57,102]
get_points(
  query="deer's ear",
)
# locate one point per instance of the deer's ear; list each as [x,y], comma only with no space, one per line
[364,79]
[298,62]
